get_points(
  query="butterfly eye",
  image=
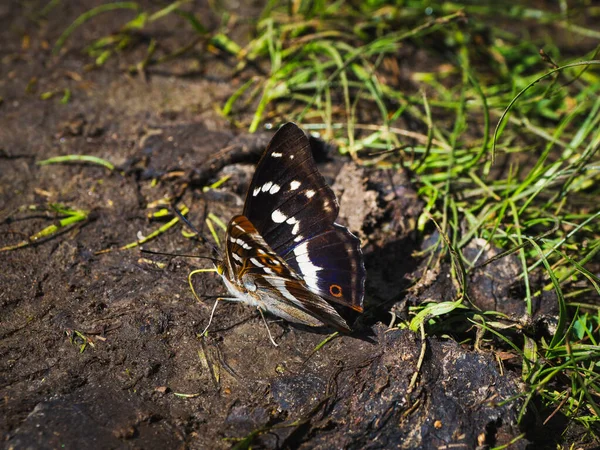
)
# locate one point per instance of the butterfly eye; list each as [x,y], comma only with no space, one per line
[335,290]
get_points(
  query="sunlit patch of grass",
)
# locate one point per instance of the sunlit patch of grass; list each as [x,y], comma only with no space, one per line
[543,209]
[320,64]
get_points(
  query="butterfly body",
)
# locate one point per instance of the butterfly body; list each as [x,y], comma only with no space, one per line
[285,254]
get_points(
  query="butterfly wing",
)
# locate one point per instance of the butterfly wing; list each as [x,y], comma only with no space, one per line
[293,209]
[331,265]
[291,300]
[288,199]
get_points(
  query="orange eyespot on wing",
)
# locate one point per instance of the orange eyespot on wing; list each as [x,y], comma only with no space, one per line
[335,290]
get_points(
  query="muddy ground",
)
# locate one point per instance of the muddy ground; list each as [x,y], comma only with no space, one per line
[139,318]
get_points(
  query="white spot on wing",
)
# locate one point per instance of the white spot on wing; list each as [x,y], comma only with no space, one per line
[274,189]
[308,269]
[250,286]
[294,185]
[267,186]
[303,258]
[256,191]
[301,249]
[276,155]
[296,228]
[256,262]
[278,217]
[298,238]
[242,243]
[279,284]
[295,222]
[310,193]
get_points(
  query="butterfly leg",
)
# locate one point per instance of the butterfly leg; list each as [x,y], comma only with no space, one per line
[212,313]
[267,326]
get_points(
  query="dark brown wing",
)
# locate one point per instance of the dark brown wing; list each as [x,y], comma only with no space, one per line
[293,209]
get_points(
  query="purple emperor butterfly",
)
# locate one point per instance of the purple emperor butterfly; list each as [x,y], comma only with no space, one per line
[285,254]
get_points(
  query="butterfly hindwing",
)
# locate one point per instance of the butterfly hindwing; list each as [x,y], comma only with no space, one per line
[331,266]
[298,303]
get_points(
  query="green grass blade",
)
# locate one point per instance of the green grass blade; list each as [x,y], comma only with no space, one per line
[77,158]
[89,15]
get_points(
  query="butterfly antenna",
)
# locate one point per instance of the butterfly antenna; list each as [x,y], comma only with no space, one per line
[215,250]
[392,150]
[153,252]
[267,326]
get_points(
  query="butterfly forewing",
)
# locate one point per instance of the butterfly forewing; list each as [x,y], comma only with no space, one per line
[247,252]
[288,200]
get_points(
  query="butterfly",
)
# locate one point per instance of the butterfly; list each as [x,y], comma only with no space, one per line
[285,254]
